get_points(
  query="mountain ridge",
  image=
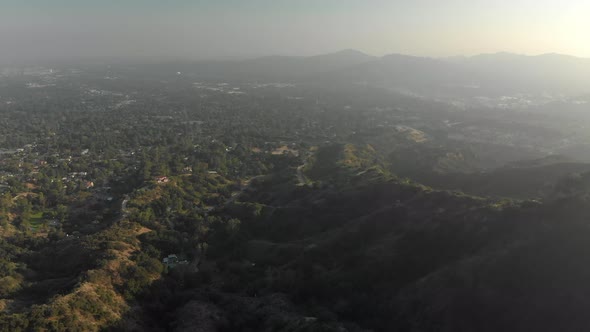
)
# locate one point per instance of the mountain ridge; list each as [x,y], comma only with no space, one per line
[490,75]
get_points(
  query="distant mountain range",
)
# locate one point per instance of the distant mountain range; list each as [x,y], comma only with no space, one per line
[482,75]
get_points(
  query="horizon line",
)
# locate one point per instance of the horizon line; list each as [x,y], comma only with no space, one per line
[237,57]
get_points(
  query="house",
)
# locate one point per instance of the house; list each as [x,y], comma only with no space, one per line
[172,260]
[162,179]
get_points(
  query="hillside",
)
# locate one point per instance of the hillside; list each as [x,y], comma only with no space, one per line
[362,251]
[432,255]
[358,245]
[354,248]
[514,182]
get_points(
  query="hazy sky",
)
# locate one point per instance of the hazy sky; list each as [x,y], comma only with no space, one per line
[208,28]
